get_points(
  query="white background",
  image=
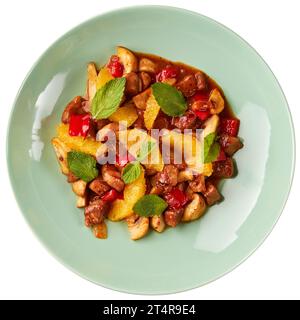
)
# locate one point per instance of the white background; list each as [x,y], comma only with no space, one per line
[27,28]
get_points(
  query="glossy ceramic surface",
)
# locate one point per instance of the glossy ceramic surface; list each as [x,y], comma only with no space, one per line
[191,254]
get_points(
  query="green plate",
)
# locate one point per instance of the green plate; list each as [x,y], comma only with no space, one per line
[191,254]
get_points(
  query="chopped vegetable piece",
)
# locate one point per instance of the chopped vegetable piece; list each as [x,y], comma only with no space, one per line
[86,145]
[221,156]
[112,195]
[200,96]
[216,101]
[176,198]
[230,126]
[126,113]
[103,77]
[132,193]
[168,72]
[151,112]
[115,67]
[91,81]
[202,115]
[79,125]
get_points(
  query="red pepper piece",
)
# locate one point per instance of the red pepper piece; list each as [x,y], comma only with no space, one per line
[112,195]
[176,198]
[202,115]
[221,156]
[79,125]
[200,105]
[115,67]
[200,96]
[167,73]
[230,126]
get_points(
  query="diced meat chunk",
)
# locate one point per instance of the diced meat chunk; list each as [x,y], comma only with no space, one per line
[133,84]
[189,193]
[201,80]
[187,121]
[230,144]
[146,80]
[139,122]
[211,194]
[140,100]
[198,184]
[166,179]
[101,123]
[73,107]
[223,169]
[95,212]
[162,121]
[188,85]
[99,186]
[173,217]
[86,106]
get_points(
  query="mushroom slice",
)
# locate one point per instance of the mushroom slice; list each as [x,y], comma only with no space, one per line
[128,59]
[137,226]
[92,81]
[185,175]
[79,187]
[158,223]
[194,209]
[156,190]
[211,125]
[80,202]
[61,151]
[216,101]
[147,65]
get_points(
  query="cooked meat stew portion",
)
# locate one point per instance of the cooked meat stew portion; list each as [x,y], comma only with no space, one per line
[132,95]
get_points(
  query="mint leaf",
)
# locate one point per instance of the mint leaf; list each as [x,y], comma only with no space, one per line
[131,172]
[108,98]
[150,205]
[211,148]
[145,150]
[213,153]
[82,165]
[170,99]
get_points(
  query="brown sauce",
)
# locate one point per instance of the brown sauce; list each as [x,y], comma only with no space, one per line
[184,70]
